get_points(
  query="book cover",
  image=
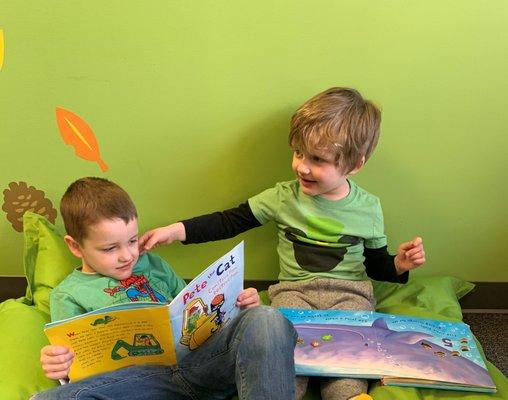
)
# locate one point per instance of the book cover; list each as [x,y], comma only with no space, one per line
[153,333]
[399,350]
[208,302]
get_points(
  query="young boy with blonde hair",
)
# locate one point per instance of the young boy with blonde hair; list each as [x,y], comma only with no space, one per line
[331,231]
[102,229]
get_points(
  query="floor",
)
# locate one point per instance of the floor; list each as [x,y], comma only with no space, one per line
[491,330]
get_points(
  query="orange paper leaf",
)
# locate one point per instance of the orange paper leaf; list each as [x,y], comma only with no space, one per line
[76,132]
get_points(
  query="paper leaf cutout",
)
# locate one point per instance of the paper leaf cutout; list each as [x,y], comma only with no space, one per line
[1,48]
[20,198]
[76,132]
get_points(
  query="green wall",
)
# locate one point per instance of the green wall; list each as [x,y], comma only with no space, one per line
[190,103]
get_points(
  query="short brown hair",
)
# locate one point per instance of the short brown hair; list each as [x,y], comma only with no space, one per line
[90,200]
[338,120]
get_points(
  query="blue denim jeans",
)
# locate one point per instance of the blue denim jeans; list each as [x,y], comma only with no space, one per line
[251,356]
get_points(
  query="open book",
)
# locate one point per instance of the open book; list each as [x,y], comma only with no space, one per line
[400,350]
[153,333]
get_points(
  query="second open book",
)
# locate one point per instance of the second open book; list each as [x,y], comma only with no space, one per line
[400,350]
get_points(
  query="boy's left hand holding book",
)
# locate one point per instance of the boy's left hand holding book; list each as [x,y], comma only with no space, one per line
[56,361]
[248,298]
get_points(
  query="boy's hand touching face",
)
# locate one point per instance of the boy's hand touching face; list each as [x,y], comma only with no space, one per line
[56,361]
[160,236]
[410,255]
[248,298]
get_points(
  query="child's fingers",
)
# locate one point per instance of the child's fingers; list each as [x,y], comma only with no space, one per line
[406,246]
[248,298]
[245,301]
[151,239]
[142,239]
[415,251]
[418,257]
[150,242]
[246,293]
[248,302]
[416,242]
[56,360]
[56,368]
[54,350]
[419,261]
[146,241]
[57,375]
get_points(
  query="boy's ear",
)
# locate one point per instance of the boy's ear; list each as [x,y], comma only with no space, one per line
[73,246]
[359,166]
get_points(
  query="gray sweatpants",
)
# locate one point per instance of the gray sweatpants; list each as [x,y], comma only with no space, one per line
[326,294]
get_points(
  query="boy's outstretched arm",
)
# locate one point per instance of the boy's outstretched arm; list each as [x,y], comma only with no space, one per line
[410,255]
[56,361]
[205,228]
[248,298]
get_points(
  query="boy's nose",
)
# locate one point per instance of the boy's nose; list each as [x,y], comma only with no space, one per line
[125,255]
[302,167]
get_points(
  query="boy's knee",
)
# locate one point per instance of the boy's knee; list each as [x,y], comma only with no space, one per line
[270,320]
[264,315]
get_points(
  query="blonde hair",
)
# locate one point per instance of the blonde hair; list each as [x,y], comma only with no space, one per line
[340,121]
[90,200]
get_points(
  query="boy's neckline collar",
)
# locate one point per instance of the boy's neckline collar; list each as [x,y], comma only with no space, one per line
[80,269]
[323,201]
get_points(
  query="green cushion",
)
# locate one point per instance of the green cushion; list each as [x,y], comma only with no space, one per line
[427,297]
[22,339]
[47,260]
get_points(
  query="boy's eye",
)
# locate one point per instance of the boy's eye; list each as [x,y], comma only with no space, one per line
[133,241]
[317,159]
[108,249]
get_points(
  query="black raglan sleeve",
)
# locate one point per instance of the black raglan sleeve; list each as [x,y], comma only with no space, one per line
[220,225]
[380,266]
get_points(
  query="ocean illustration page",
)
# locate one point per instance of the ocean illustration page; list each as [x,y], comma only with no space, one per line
[399,350]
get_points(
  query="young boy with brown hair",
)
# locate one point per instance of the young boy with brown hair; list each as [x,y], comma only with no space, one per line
[102,229]
[331,231]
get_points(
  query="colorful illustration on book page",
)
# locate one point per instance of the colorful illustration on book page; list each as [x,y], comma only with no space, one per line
[369,344]
[201,321]
[208,302]
[108,341]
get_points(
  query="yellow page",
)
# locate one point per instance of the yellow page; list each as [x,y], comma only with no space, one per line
[115,339]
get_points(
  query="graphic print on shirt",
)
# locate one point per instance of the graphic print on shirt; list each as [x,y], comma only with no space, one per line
[322,248]
[136,288]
